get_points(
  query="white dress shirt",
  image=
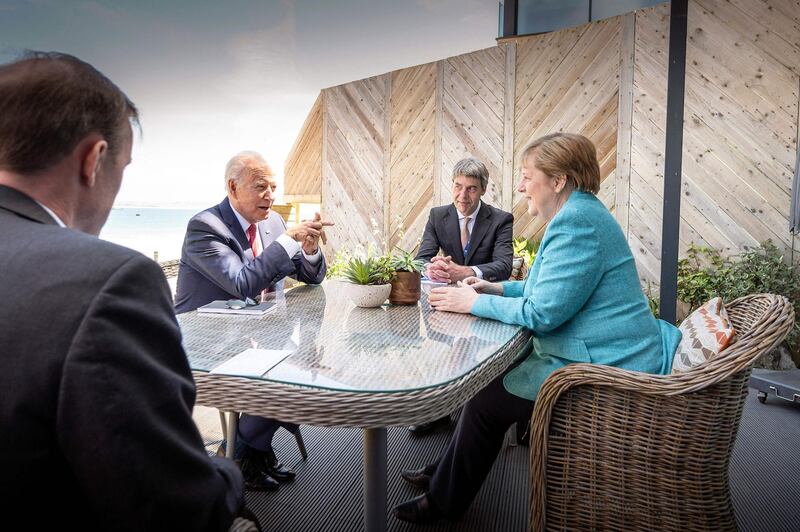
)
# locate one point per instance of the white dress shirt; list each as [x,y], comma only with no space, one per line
[470,227]
[49,211]
[290,245]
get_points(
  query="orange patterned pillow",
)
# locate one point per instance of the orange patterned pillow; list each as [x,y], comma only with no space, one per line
[706,332]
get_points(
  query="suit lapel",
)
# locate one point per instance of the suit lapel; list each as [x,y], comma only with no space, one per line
[235,228]
[478,231]
[23,205]
[453,233]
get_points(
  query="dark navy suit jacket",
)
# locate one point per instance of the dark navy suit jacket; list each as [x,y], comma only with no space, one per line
[217,262]
[490,247]
[97,395]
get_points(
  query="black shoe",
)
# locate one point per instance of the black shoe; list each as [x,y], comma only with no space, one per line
[421,429]
[275,469]
[418,510]
[261,482]
[417,477]
[254,473]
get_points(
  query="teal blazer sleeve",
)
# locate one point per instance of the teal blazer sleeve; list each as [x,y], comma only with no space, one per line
[570,270]
[582,300]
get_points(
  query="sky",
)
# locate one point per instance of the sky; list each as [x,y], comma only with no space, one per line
[214,78]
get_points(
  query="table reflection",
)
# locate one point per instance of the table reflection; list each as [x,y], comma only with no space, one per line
[338,346]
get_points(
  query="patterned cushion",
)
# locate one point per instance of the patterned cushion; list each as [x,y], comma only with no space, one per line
[706,332]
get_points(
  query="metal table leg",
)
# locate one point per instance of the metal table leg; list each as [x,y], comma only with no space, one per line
[375,480]
[233,428]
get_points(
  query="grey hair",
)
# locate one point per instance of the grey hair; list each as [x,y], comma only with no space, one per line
[240,162]
[471,167]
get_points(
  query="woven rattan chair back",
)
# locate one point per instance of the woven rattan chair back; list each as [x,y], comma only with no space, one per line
[618,450]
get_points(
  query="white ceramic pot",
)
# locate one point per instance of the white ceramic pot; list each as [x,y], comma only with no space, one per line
[368,295]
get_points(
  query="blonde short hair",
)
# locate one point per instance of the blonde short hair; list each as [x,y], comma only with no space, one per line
[567,154]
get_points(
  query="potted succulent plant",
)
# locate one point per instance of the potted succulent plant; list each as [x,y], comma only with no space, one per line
[370,280]
[406,281]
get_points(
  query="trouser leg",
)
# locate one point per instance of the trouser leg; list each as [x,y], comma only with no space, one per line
[477,440]
[257,431]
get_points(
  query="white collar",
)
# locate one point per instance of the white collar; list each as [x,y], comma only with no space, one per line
[472,216]
[242,220]
[49,211]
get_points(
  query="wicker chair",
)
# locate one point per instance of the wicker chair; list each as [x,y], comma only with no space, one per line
[617,450]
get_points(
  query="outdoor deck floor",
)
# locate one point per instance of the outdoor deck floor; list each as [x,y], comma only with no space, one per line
[327,494]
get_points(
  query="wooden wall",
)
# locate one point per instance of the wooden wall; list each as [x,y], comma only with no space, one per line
[740,126]
[409,194]
[354,140]
[386,145]
[303,167]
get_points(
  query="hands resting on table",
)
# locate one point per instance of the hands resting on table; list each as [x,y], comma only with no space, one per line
[461,296]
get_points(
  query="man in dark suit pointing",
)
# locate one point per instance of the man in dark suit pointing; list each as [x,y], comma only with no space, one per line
[474,237]
[240,249]
[97,395]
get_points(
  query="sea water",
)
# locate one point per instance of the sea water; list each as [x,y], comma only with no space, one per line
[149,230]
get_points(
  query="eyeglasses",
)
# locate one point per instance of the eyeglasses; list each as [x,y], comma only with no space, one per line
[237,304]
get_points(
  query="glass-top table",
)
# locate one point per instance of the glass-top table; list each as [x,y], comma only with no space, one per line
[341,365]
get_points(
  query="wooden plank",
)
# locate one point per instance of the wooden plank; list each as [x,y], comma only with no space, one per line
[438,193]
[477,82]
[508,127]
[563,80]
[387,159]
[735,163]
[622,175]
[773,157]
[303,166]
[302,198]
[707,31]
[413,119]
[539,58]
[325,207]
[556,103]
[774,19]
[491,70]
[487,119]
[736,86]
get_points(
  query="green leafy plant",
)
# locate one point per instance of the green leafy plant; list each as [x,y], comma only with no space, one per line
[369,270]
[526,248]
[652,301]
[404,261]
[337,266]
[704,274]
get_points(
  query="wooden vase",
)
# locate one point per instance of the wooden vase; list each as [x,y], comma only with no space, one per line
[405,288]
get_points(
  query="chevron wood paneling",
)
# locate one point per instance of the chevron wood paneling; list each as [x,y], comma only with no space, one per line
[568,81]
[740,127]
[303,167]
[352,190]
[472,117]
[388,143]
[412,125]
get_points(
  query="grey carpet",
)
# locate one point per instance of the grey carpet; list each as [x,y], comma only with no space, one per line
[327,495]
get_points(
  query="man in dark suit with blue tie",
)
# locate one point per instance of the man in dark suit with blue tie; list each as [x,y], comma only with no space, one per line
[240,249]
[474,237]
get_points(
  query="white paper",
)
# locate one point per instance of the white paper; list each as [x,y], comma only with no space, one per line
[252,362]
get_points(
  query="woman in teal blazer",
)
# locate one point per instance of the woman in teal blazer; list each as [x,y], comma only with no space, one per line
[582,301]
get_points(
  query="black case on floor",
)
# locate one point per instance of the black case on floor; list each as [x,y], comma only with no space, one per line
[782,384]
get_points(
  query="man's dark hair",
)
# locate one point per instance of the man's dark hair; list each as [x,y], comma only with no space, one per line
[49,102]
